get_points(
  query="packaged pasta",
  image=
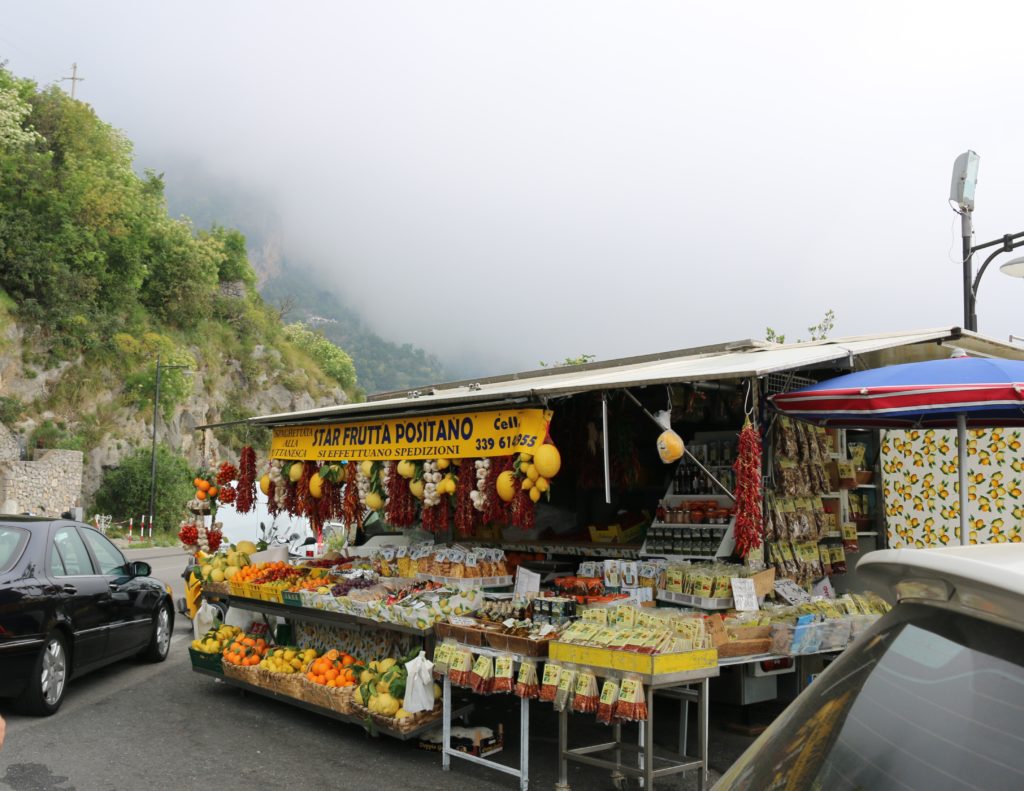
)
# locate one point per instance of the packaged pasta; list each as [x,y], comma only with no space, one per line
[503,673]
[566,688]
[606,705]
[527,684]
[549,682]
[586,698]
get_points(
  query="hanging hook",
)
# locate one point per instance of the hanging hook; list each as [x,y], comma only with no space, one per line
[748,401]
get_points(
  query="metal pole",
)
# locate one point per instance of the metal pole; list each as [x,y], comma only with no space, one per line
[966,230]
[152,464]
[961,452]
[607,462]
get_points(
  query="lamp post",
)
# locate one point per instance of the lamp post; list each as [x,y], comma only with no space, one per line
[961,192]
[156,412]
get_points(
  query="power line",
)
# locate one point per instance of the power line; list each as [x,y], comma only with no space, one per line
[73,78]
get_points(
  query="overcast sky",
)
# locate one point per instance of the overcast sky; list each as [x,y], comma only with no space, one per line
[528,181]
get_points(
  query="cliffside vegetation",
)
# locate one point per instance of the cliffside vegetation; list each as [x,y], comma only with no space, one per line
[97,281]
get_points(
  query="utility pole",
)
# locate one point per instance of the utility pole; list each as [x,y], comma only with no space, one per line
[73,78]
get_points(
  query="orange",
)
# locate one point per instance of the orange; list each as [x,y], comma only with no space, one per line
[200,495]
[203,485]
[213,491]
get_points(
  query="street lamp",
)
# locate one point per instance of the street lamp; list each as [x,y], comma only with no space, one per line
[961,192]
[156,411]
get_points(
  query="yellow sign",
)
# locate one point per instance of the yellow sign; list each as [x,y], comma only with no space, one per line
[460,436]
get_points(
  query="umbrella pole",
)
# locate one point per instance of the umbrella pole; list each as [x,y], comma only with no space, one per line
[961,452]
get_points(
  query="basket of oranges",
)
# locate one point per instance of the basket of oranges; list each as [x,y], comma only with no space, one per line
[330,681]
[242,657]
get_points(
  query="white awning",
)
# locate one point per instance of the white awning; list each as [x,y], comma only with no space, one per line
[739,360]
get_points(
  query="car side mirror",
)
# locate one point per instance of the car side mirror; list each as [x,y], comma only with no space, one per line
[139,568]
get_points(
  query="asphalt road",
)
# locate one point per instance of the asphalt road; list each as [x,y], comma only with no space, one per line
[136,725]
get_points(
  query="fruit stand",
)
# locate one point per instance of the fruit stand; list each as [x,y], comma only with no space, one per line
[638,491]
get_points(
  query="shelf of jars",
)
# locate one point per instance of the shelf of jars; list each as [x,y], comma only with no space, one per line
[692,527]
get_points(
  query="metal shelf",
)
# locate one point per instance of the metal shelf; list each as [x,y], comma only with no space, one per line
[326,617]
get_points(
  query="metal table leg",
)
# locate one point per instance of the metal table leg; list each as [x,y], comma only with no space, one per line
[702,735]
[446,719]
[684,724]
[563,745]
[524,744]
[648,755]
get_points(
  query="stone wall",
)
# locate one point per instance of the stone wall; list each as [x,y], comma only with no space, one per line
[10,449]
[47,486]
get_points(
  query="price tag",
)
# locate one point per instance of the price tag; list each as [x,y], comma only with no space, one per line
[471,561]
[743,594]
[388,554]
[461,620]
[456,555]
[527,583]
[824,589]
[790,592]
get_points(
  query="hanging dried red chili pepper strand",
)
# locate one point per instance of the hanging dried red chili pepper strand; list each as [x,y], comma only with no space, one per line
[401,509]
[272,507]
[464,511]
[749,521]
[246,498]
[496,509]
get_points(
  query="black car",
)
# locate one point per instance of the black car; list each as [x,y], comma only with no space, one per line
[71,603]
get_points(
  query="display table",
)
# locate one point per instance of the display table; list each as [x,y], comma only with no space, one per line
[449,713]
[691,685]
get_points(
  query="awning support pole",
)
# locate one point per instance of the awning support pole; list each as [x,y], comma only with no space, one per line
[961,452]
[607,461]
[686,451]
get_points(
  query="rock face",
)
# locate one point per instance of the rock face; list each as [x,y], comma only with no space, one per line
[48,485]
[56,480]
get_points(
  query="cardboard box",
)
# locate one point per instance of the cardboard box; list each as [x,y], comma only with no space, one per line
[632,662]
[480,742]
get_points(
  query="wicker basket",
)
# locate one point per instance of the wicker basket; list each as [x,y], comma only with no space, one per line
[221,588]
[283,683]
[339,699]
[249,675]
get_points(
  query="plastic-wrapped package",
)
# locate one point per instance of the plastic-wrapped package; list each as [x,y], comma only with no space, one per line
[527,683]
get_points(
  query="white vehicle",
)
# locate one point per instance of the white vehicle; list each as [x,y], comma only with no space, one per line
[931,697]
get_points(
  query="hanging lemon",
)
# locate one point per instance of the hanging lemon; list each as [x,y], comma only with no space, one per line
[374,502]
[295,472]
[316,485]
[532,473]
[535,494]
[547,460]
[506,486]
[406,469]
[417,487]
[541,484]
[366,468]
[527,484]
[265,484]
[442,464]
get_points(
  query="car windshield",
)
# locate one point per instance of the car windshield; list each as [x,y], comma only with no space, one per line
[12,544]
[928,699]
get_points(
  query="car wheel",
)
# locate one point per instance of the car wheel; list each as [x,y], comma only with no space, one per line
[44,691]
[160,638]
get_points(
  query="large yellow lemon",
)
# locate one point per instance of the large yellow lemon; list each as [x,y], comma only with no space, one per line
[366,468]
[316,485]
[373,501]
[406,469]
[265,484]
[506,486]
[547,460]
[295,472]
[442,464]
[416,487]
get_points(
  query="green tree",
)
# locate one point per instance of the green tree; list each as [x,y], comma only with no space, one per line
[819,331]
[124,491]
[333,360]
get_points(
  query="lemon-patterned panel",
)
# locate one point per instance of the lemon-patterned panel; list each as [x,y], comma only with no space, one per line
[921,492]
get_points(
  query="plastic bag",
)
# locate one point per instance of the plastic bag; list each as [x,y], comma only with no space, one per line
[419,684]
[203,622]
